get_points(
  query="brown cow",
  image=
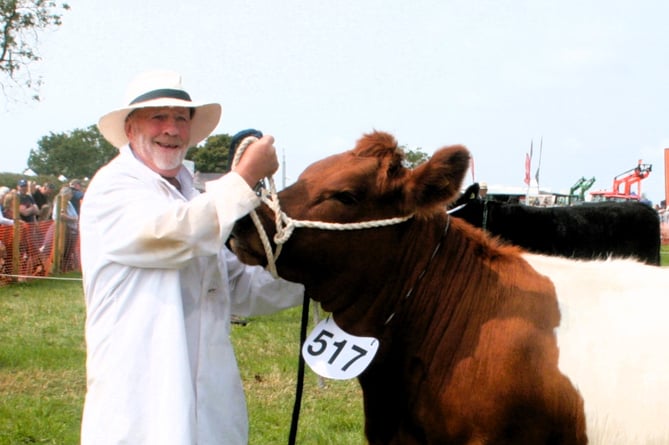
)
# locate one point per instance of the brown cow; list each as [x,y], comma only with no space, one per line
[472,350]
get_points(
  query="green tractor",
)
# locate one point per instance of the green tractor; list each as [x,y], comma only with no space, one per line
[577,191]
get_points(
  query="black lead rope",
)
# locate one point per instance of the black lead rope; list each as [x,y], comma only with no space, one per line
[300,373]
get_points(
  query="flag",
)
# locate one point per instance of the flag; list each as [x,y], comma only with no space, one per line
[541,145]
[528,165]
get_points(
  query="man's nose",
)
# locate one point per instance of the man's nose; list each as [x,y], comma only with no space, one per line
[171,126]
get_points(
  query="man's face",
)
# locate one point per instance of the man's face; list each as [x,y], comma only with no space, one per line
[159,137]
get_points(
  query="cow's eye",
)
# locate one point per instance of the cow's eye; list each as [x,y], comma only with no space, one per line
[347,198]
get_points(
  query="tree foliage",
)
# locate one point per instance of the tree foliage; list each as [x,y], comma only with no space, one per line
[413,158]
[77,154]
[20,23]
[212,157]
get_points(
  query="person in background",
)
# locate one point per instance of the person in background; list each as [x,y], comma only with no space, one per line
[68,216]
[4,220]
[8,204]
[77,194]
[27,206]
[3,256]
[43,196]
[483,191]
[160,284]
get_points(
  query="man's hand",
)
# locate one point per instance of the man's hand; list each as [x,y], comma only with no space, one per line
[237,139]
[258,161]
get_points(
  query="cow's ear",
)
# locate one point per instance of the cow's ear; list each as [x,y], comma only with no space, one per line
[474,191]
[437,182]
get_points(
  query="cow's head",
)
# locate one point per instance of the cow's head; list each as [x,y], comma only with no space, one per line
[367,183]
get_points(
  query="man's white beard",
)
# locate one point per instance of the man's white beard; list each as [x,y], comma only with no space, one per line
[162,158]
[168,162]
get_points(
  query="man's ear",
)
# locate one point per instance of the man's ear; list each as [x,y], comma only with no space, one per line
[128,127]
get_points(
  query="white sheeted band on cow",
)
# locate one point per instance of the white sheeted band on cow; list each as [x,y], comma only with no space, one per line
[285,224]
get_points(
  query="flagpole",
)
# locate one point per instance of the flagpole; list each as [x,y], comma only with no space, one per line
[528,169]
[536,176]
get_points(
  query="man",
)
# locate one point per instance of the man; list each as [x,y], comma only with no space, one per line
[27,207]
[4,221]
[42,196]
[483,191]
[77,194]
[160,284]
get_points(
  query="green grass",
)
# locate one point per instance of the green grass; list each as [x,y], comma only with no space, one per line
[42,373]
[42,358]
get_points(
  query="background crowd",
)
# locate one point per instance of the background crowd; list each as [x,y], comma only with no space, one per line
[44,220]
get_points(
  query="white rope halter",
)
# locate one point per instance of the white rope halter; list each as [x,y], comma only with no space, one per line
[285,225]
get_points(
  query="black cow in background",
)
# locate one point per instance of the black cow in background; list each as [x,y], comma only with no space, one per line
[589,230]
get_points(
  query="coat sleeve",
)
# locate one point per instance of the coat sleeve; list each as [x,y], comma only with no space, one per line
[254,291]
[125,215]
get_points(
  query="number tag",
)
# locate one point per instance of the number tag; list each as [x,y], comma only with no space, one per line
[335,354]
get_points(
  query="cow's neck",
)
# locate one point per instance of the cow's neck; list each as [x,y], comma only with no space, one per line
[417,281]
[382,299]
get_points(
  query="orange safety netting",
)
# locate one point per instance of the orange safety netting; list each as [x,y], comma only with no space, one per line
[42,249]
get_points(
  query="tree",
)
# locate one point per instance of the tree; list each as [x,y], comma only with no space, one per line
[212,157]
[413,158]
[20,22]
[77,154]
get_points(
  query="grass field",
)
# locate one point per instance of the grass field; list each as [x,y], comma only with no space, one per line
[41,362]
[42,374]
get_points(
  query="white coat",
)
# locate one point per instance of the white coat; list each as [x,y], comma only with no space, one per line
[160,286]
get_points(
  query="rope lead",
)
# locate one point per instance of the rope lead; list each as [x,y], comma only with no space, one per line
[271,256]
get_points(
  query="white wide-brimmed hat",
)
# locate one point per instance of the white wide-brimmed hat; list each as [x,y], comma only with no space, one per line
[159,89]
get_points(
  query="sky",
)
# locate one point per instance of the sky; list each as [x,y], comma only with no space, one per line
[584,83]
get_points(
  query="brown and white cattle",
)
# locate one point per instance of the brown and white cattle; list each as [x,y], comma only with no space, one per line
[479,342]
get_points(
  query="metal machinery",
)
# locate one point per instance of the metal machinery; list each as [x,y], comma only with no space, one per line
[623,184]
[579,188]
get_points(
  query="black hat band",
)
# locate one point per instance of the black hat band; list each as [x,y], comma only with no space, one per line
[160,94]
